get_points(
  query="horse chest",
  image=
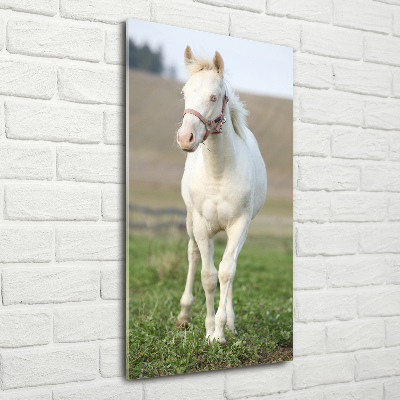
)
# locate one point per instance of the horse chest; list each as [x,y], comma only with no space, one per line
[219,205]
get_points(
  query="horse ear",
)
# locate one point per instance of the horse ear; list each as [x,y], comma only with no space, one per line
[218,63]
[188,55]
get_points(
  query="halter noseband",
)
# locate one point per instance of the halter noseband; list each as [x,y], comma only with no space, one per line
[207,122]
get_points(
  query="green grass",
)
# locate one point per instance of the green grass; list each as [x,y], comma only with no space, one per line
[262,302]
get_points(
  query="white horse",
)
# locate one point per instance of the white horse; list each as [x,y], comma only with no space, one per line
[224,185]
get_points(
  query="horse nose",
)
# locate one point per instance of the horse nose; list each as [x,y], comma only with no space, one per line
[186,139]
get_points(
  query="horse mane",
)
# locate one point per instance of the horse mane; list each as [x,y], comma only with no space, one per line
[200,63]
[238,112]
[237,109]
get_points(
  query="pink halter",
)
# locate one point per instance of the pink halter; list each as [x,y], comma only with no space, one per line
[216,121]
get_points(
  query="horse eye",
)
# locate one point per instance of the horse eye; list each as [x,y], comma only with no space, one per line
[213,98]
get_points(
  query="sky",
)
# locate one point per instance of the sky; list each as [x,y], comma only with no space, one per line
[250,66]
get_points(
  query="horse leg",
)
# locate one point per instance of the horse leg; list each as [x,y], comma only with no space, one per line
[184,316]
[229,310]
[237,234]
[209,274]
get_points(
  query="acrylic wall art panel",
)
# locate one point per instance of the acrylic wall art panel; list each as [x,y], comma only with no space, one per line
[209,237]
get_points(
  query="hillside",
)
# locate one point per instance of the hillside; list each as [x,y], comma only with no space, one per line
[155,114]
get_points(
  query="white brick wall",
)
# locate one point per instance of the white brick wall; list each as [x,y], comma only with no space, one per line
[62,198]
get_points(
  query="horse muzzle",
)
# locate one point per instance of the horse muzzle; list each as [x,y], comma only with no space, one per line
[186,140]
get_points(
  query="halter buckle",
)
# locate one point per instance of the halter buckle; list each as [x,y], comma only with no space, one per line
[223,120]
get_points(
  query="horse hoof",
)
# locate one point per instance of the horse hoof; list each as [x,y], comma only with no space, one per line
[182,325]
[220,340]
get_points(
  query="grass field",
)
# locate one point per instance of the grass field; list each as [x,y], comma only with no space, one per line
[262,304]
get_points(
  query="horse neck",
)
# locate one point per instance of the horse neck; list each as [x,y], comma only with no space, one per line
[219,150]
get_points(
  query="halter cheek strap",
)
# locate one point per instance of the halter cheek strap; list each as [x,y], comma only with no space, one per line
[209,124]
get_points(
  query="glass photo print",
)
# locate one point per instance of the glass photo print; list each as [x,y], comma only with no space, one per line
[209,237]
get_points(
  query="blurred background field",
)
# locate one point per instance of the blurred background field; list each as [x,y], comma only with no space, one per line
[158,240]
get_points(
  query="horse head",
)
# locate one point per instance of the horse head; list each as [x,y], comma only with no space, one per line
[205,100]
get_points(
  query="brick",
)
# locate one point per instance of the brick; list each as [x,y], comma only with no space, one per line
[26,162]
[81,324]
[376,17]
[358,207]
[356,143]
[121,391]
[58,123]
[295,172]
[323,107]
[112,285]
[377,364]
[378,302]
[314,371]
[45,7]
[312,72]
[114,52]
[89,164]
[309,274]
[27,78]
[114,126]
[113,203]
[311,140]
[317,174]
[2,35]
[26,244]
[20,328]
[351,336]
[112,358]
[296,102]
[355,271]
[392,389]
[38,202]
[310,206]
[1,202]
[394,146]
[48,366]
[293,395]
[332,41]
[396,23]
[392,328]
[193,389]
[309,339]
[325,306]
[327,240]
[393,275]
[369,391]
[255,5]
[396,83]
[264,28]
[381,177]
[36,395]
[2,124]
[54,39]
[103,10]
[90,242]
[258,381]
[363,78]
[91,85]
[382,114]
[49,285]
[382,49]
[379,238]
[197,16]
[397,2]
[311,10]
